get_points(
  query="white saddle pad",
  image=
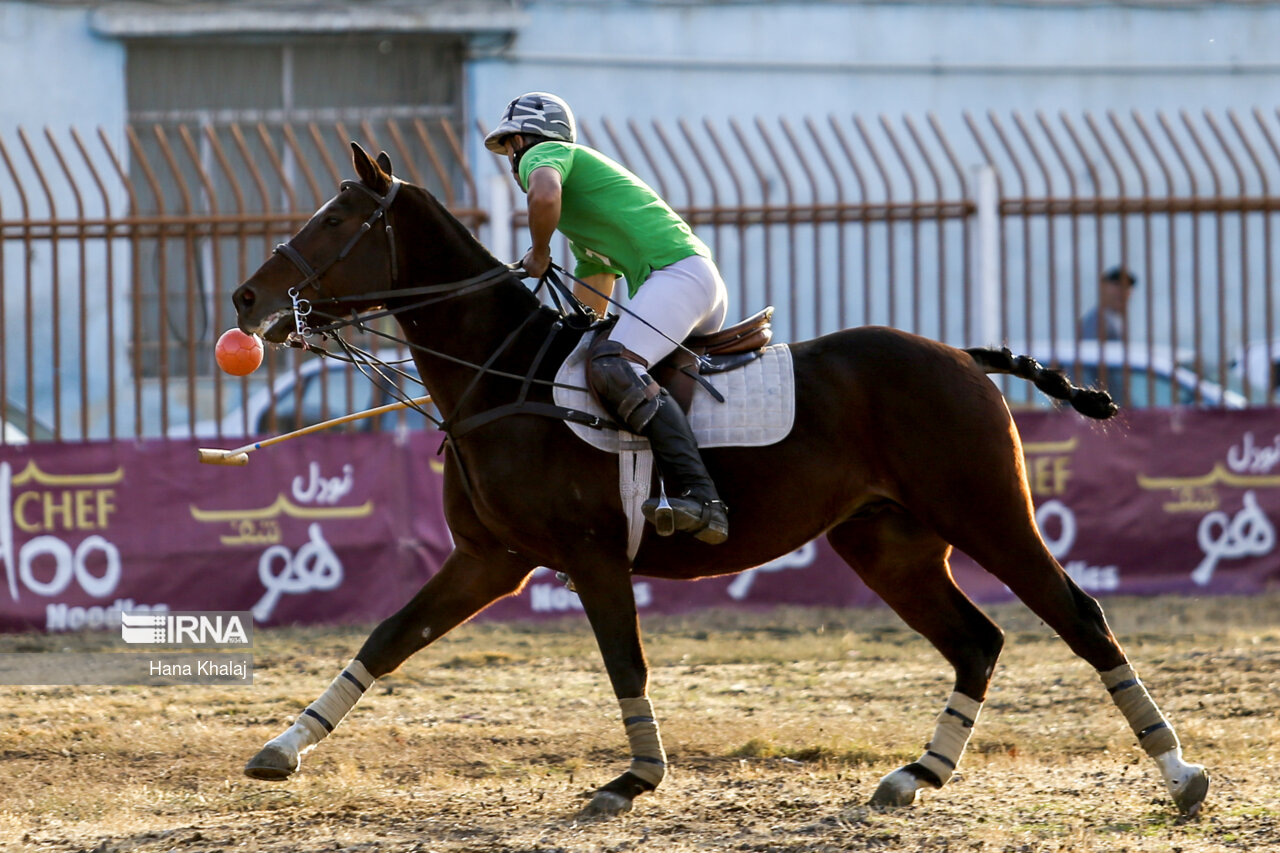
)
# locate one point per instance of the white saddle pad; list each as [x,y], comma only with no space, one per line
[759,407]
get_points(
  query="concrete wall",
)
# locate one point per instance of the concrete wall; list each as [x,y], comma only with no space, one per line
[56,71]
[722,59]
[58,75]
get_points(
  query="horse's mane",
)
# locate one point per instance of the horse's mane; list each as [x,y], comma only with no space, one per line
[472,255]
[455,227]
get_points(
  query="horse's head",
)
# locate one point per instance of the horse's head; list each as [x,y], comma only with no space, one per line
[344,250]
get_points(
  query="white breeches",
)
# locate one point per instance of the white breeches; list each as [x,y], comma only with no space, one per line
[685,298]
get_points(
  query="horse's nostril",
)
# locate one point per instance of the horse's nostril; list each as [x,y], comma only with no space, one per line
[245,297]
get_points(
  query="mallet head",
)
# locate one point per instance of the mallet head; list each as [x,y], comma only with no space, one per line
[214,456]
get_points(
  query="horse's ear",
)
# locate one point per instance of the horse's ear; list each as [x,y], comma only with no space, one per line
[371,174]
[384,162]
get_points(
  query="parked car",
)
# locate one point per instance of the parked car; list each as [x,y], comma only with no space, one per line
[11,434]
[319,390]
[14,426]
[1258,364]
[1157,376]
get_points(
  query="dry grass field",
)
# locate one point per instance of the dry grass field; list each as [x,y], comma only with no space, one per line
[778,727]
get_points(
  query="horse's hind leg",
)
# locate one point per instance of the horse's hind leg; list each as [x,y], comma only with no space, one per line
[1017,556]
[464,585]
[991,518]
[906,565]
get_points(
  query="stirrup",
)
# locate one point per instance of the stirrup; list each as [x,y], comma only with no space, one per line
[708,522]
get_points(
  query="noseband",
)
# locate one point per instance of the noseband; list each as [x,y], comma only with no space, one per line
[311,275]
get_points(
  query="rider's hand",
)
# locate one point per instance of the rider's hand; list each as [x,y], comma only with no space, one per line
[536,262]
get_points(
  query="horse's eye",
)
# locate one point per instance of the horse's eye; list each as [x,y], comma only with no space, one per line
[332,220]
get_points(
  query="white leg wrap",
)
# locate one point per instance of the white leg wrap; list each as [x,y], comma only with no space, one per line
[1175,771]
[950,736]
[648,759]
[1188,784]
[1155,735]
[295,741]
[324,714]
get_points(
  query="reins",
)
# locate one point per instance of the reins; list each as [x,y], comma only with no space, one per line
[311,275]
[305,309]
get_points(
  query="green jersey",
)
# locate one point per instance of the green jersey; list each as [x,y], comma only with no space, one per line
[614,221]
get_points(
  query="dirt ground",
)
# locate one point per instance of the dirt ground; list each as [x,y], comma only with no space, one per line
[778,727]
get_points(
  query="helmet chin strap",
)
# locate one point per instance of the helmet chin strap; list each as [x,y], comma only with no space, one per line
[531,141]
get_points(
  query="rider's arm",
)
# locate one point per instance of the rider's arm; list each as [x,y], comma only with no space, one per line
[544,216]
[602,282]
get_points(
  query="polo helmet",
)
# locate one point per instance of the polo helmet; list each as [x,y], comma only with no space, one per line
[537,114]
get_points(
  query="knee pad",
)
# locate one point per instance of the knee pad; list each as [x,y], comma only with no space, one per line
[623,388]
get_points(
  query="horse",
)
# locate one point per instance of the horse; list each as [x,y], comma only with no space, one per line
[902,449]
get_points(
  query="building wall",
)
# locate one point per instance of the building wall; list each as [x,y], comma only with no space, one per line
[787,58]
[57,75]
[56,70]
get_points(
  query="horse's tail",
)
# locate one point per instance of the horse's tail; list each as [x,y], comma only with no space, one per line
[1090,402]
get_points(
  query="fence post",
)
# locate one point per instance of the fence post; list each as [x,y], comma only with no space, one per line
[985,308]
[500,242]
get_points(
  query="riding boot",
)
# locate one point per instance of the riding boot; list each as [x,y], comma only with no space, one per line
[618,379]
[693,504]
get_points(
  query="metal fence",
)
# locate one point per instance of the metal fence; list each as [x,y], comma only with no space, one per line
[119,251]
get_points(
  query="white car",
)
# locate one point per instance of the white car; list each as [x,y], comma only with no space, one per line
[14,425]
[319,390]
[10,434]
[1258,364]
[1157,376]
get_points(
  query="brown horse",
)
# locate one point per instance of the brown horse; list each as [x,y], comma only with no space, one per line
[902,448]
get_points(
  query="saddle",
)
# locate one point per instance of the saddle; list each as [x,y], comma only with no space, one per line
[702,355]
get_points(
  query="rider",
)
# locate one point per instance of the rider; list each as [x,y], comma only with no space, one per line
[618,226]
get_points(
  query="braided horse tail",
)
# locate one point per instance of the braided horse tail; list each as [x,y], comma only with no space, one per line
[1090,402]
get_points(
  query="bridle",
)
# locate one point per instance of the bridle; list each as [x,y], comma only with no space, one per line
[311,275]
[363,360]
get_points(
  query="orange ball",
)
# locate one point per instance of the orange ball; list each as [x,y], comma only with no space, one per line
[237,353]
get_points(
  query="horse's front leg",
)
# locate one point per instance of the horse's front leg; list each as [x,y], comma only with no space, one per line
[610,605]
[465,584]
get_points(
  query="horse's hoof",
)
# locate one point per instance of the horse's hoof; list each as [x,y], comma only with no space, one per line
[1189,793]
[271,764]
[896,790]
[606,804]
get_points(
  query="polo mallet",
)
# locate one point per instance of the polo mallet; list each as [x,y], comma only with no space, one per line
[240,455]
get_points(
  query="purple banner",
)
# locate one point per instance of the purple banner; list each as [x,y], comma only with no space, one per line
[329,528]
[345,528]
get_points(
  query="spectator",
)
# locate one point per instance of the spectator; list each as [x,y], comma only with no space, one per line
[1107,320]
